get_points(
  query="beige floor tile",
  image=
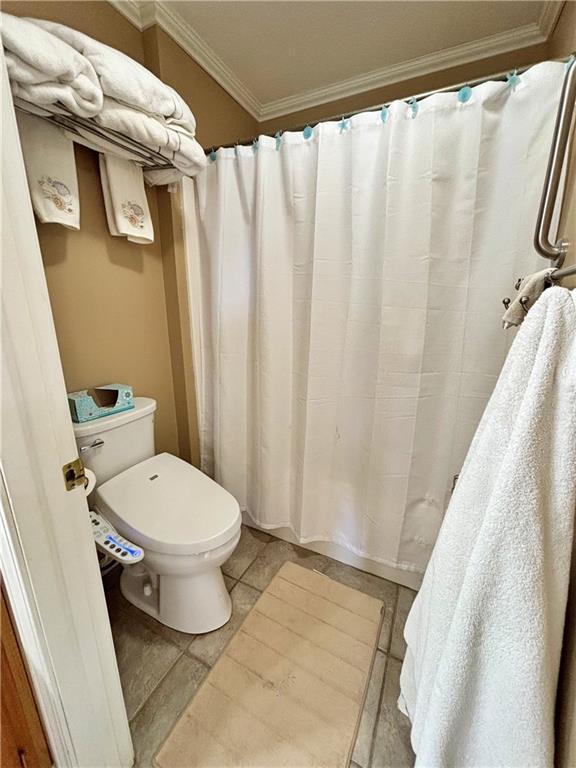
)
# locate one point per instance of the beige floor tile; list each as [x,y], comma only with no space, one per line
[398,644]
[208,647]
[229,581]
[361,754]
[392,737]
[143,656]
[251,543]
[384,590]
[274,555]
[155,720]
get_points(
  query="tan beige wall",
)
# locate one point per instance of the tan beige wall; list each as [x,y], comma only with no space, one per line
[93,17]
[118,306]
[221,120]
[109,306]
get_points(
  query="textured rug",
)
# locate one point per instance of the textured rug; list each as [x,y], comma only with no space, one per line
[289,688]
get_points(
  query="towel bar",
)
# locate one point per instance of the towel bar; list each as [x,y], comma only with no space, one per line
[556,252]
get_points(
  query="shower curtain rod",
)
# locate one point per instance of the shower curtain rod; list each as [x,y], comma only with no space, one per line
[447,89]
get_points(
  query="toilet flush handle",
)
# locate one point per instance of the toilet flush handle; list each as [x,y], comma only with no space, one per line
[96,444]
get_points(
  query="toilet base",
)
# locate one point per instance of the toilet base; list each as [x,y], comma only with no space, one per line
[194,604]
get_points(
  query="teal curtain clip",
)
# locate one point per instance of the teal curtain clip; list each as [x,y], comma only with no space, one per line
[212,155]
[278,137]
[344,124]
[384,114]
[413,104]
[512,79]
[464,94]
[255,145]
[307,132]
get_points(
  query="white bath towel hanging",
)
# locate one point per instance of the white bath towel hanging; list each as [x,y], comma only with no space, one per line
[46,70]
[125,200]
[51,171]
[485,632]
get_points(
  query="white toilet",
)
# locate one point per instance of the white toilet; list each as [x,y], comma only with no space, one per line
[186,523]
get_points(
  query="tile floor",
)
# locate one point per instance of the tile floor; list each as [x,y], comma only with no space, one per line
[161,669]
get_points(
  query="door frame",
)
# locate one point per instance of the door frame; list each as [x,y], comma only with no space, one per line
[47,555]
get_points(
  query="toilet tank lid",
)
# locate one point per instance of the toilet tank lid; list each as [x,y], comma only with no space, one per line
[143,406]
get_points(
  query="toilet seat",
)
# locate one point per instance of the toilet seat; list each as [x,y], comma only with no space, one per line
[167,505]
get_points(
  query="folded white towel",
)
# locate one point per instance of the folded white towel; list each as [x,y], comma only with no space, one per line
[175,143]
[51,64]
[529,290]
[125,200]
[124,79]
[45,70]
[484,635]
[163,177]
[51,171]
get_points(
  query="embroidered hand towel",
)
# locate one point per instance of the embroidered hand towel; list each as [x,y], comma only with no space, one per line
[51,171]
[529,290]
[125,199]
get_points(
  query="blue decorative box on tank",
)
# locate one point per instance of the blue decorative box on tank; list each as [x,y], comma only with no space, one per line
[88,404]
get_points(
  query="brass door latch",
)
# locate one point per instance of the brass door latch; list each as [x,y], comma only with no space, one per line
[74,475]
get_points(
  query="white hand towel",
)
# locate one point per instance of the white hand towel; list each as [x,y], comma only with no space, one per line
[125,200]
[529,290]
[484,635]
[51,171]
[45,70]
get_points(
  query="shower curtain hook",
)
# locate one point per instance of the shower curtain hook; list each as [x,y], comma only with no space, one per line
[464,94]
[513,79]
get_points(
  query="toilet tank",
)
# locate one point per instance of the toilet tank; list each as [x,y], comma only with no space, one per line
[116,442]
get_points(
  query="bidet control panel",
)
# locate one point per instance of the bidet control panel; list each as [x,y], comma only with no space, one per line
[109,541]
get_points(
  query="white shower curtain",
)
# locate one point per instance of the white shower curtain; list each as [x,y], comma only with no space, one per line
[347,293]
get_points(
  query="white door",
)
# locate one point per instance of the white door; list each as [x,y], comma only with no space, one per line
[48,560]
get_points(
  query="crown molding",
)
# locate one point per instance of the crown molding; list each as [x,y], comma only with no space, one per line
[130,9]
[187,37]
[521,37]
[144,14]
[549,16]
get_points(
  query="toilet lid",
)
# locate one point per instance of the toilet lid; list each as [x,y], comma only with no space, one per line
[168,505]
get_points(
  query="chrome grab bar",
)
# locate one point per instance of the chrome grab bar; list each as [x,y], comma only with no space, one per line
[556,252]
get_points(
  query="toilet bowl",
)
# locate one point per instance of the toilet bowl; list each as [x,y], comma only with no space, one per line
[187,524]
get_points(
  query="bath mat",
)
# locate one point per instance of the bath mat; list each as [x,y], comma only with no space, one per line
[289,688]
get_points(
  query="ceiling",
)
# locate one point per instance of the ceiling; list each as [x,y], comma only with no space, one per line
[276,57]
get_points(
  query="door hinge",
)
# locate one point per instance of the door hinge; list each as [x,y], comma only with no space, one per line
[74,474]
